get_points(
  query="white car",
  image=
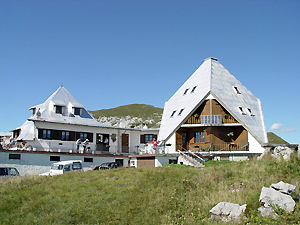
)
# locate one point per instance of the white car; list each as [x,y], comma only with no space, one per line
[64,167]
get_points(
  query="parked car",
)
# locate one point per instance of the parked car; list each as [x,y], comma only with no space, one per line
[64,167]
[8,172]
[107,166]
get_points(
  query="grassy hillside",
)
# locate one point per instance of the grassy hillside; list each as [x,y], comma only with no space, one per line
[274,139]
[167,195]
[148,114]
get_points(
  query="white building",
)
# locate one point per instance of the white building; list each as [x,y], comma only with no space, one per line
[211,115]
[212,112]
[56,124]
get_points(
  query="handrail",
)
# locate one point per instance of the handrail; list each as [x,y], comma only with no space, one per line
[181,152]
[196,156]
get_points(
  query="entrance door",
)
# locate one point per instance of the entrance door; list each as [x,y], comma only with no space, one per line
[125,143]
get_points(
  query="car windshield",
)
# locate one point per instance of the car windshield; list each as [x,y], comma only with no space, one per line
[77,166]
[57,167]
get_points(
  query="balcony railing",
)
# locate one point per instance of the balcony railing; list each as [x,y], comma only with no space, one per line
[227,146]
[211,119]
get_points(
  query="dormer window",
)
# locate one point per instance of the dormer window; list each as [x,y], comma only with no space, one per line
[77,111]
[173,113]
[33,111]
[250,112]
[237,90]
[180,112]
[186,90]
[58,109]
[192,91]
[242,111]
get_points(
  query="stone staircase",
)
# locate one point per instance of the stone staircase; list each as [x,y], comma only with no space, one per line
[186,159]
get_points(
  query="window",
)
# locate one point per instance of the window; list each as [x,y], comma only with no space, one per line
[54,158]
[242,111]
[147,138]
[83,136]
[199,137]
[237,90]
[172,161]
[183,138]
[76,166]
[180,112]
[13,172]
[3,172]
[33,111]
[250,112]
[65,135]
[58,109]
[14,156]
[186,90]
[77,111]
[88,160]
[46,134]
[173,113]
[67,167]
[193,89]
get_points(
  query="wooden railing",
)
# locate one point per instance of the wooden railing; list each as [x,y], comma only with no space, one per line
[226,146]
[196,119]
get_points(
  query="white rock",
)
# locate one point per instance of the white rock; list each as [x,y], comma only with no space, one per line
[285,152]
[285,188]
[228,211]
[270,196]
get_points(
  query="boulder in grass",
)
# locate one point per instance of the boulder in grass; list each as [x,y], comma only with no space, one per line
[270,197]
[227,211]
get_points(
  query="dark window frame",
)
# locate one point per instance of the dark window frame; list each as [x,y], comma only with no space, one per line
[54,158]
[14,156]
[58,109]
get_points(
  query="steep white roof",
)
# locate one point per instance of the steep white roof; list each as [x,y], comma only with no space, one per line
[27,131]
[211,78]
[61,97]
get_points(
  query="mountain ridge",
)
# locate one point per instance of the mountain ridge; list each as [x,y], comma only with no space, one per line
[133,115]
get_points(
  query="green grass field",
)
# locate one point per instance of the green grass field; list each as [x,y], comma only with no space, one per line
[166,195]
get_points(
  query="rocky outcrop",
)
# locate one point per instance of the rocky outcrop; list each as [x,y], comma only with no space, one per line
[226,211]
[278,152]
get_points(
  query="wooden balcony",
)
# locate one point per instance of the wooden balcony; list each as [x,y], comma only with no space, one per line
[211,119]
[226,146]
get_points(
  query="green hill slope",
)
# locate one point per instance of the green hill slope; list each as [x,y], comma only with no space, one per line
[275,139]
[166,195]
[134,114]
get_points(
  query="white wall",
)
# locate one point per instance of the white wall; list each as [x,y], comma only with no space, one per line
[172,141]
[42,161]
[161,160]
[254,145]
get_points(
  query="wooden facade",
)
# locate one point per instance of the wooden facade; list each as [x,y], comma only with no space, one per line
[211,107]
[217,130]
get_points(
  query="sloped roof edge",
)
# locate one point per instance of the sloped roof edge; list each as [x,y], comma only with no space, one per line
[187,116]
[237,118]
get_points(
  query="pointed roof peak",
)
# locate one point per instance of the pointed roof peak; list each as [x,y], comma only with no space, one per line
[211,58]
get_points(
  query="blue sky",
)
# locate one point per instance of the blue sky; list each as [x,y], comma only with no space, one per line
[117,52]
